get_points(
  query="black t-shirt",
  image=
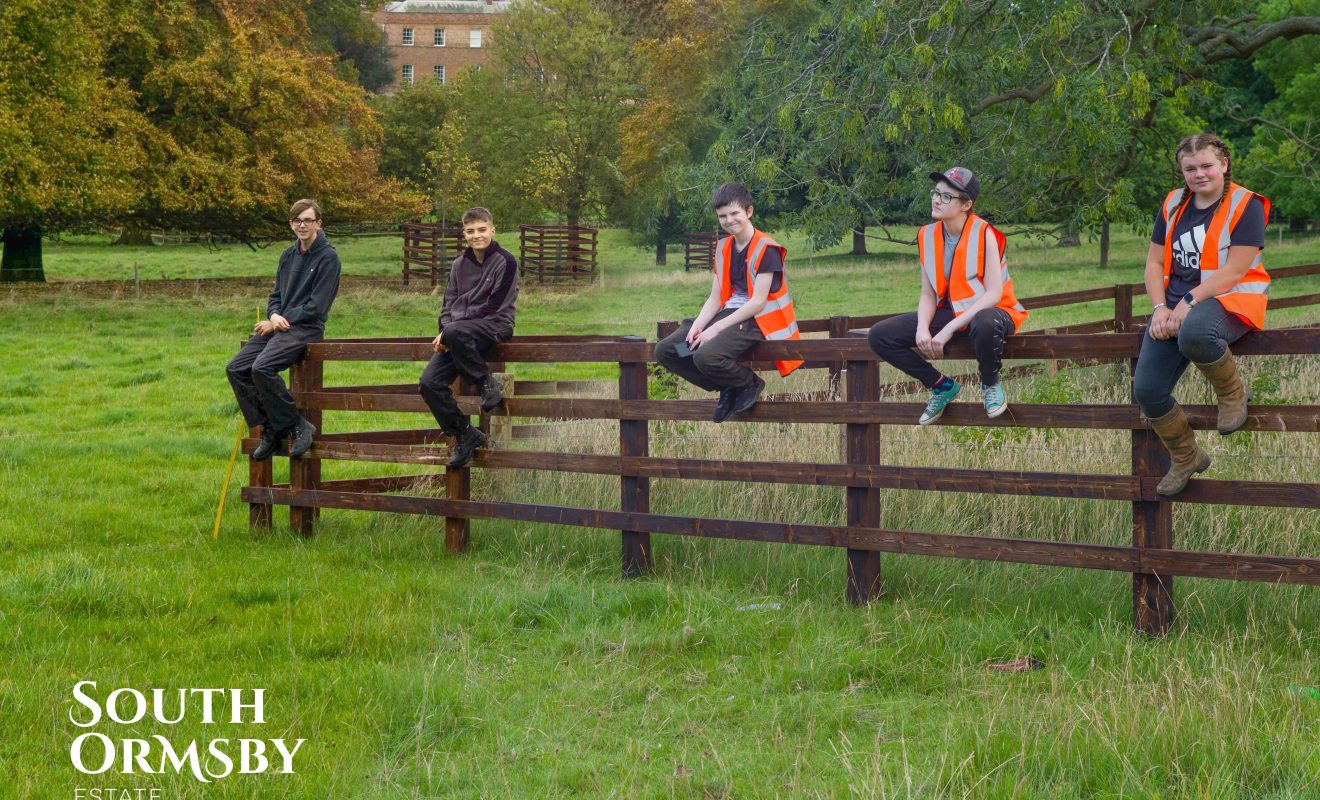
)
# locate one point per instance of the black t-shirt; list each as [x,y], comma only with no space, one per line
[771,262]
[1190,235]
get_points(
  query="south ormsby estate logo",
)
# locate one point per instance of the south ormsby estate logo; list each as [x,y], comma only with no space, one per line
[110,745]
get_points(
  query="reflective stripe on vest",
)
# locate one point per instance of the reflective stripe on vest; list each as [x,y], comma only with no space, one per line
[965,284]
[1248,298]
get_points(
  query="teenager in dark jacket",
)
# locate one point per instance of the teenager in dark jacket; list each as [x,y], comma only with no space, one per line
[478,312]
[305,287]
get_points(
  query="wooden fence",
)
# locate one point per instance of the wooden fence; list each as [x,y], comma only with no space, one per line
[428,250]
[1151,559]
[699,250]
[557,252]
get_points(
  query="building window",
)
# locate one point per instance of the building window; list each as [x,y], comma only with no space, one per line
[439,37]
[407,75]
[474,37]
[407,37]
[440,73]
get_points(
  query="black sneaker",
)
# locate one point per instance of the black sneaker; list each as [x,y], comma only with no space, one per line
[300,438]
[491,393]
[270,442]
[748,395]
[724,407]
[466,445]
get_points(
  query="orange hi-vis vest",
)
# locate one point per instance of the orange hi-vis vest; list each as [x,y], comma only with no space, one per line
[965,284]
[777,320]
[1248,297]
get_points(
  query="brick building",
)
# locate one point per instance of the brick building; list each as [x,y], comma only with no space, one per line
[436,38]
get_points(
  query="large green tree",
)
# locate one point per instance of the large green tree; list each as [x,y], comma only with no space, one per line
[1283,161]
[69,140]
[186,115]
[1057,104]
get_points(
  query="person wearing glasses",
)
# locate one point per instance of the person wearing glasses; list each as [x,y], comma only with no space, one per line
[306,283]
[965,290]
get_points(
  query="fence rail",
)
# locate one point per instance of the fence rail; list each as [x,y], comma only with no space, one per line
[1151,558]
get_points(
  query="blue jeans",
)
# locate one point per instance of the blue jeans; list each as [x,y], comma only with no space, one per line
[1205,334]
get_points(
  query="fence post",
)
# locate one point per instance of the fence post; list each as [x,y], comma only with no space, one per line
[1152,526]
[863,504]
[1122,307]
[307,375]
[261,476]
[838,330]
[458,486]
[635,492]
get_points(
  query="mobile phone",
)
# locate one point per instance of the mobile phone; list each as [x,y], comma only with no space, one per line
[683,349]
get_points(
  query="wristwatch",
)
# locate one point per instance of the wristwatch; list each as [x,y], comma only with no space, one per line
[1189,300]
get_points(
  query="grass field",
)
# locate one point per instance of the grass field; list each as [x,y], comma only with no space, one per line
[527,667]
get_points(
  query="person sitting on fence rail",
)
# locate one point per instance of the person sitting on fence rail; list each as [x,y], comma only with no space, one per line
[478,312]
[306,283]
[1204,275]
[748,303]
[965,288]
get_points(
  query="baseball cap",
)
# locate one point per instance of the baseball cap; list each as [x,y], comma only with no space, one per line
[960,178]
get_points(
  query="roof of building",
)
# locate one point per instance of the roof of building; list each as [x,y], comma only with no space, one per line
[447,7]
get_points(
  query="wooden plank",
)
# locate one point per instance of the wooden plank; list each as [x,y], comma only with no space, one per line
[1152,526]
[1227,566]
[305,378]
[1113,346]
[1294,302]
[634,491]
[875,476]
[260,473]
[386,483]
[458,486]
[1022,415]
[862,503]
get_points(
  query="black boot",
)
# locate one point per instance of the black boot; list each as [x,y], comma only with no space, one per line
[492,393]
[724,406]
[748,395]
[270,442]
[300,438]
[466,444]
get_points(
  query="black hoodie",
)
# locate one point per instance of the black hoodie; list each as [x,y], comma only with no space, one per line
[306,284]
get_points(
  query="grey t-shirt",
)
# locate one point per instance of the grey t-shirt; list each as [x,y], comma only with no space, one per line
[950,246]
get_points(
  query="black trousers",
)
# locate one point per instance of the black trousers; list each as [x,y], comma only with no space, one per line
[255,375]
[466,341]
[714,365]
[893,339]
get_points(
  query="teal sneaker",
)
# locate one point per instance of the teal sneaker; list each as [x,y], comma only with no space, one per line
[937,402]
[996,402]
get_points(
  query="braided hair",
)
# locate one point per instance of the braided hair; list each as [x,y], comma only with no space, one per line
[1195,144]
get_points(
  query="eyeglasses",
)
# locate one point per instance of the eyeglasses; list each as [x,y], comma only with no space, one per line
[943,197]
[303,221]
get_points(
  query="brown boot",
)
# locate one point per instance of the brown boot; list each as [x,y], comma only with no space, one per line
[1223,375]
[1180,441]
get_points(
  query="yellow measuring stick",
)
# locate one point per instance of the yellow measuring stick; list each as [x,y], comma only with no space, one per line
[229,471]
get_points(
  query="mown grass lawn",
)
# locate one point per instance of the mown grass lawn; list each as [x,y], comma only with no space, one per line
[527,668]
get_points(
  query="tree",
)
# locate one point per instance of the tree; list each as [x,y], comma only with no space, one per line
[243,119]
[1283,161]
[1056,105]
[409,120]
[68,148]
[567,78]
[345,29]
